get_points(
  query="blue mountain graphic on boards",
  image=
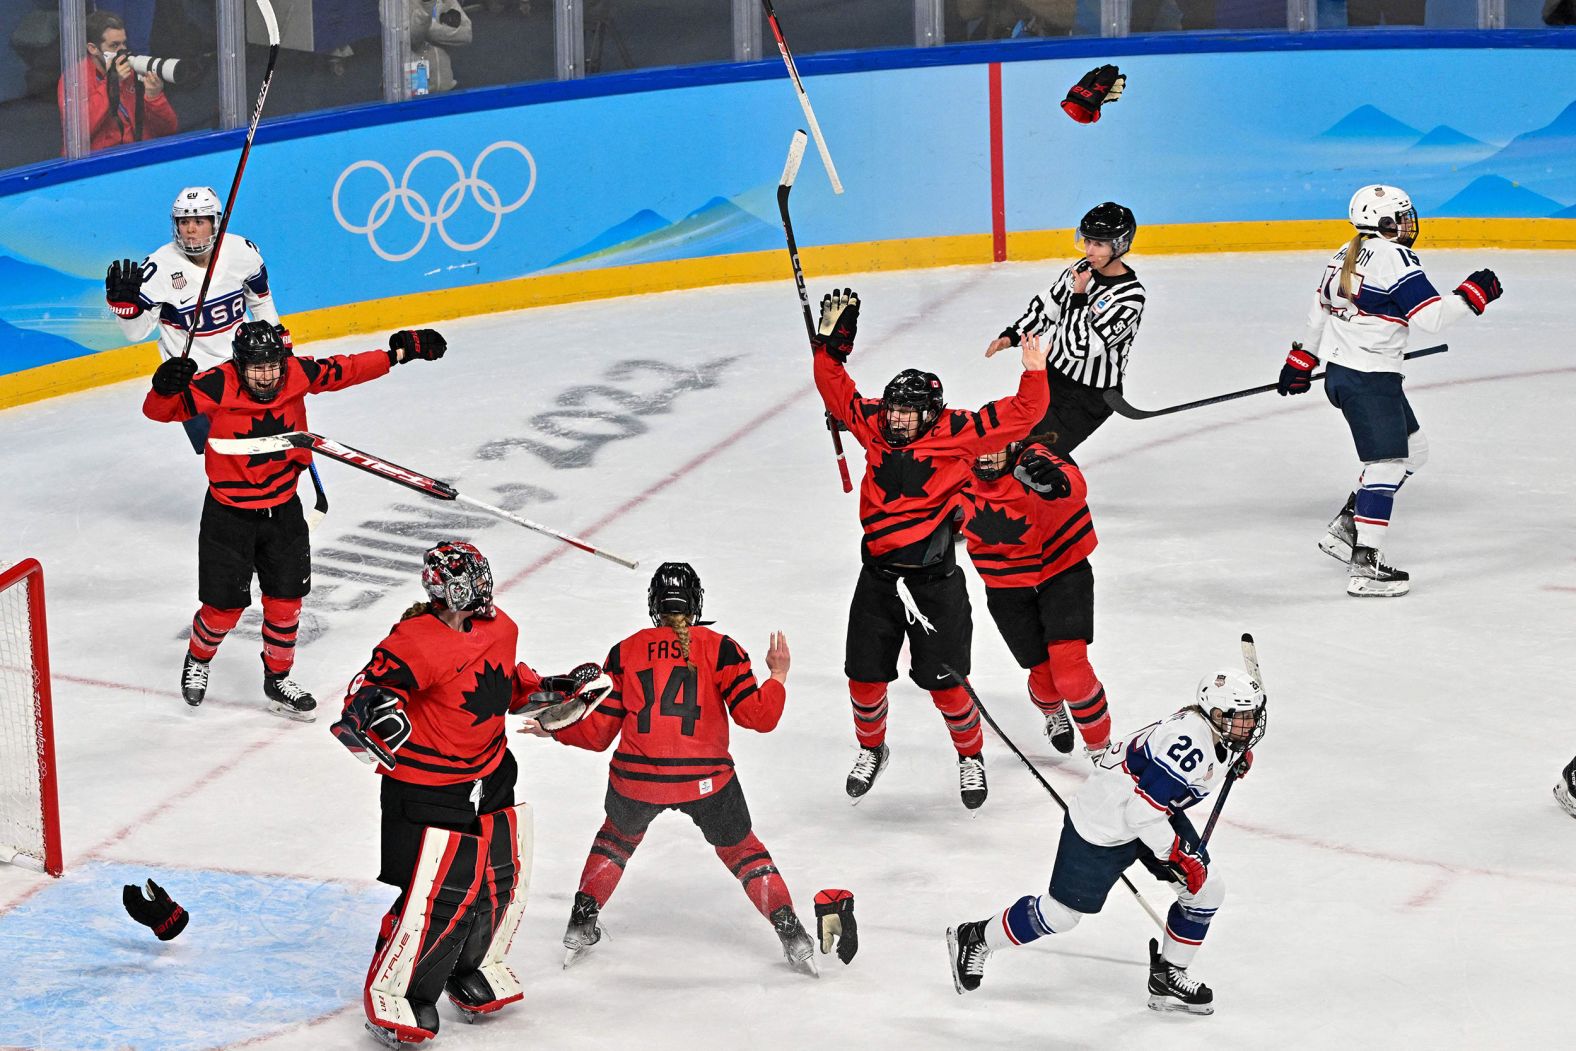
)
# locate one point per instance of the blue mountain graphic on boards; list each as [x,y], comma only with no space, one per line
[1371,124]
[26,349]
[1542,152]
[718,227]
[1444,137]
[638,225]
[1492,196]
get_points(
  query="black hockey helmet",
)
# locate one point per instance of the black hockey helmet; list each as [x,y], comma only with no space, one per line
[916,390]
[457,577]
[259,343]
[675,588]
[987,469]
[1109,222]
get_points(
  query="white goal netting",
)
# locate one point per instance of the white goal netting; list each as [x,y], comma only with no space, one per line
[28,821]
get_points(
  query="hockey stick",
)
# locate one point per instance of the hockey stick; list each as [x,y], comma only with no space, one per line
[1113,396]
[790,172]
[804,99]
[272,23]
[969,689]
[1250,657]
[319,510]
[275,443]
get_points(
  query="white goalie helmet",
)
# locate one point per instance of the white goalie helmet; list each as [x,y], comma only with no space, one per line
[1234,703]
[195,201]
[1384,211]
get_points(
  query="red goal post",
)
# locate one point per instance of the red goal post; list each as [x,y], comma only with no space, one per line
[29,810]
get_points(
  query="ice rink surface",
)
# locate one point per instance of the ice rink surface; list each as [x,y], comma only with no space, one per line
[1398,872]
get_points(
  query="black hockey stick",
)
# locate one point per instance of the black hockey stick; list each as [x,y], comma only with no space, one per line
[1113,396]
[320,507]
[804,98]
[1250,657]
[276,443]
[969,689]
[272,24]
[784,187]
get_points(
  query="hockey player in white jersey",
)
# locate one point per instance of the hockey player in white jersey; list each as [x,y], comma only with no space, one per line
[1372,295]
[161,294]
[1133,809]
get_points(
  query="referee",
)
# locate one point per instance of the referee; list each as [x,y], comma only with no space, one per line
[1089,317]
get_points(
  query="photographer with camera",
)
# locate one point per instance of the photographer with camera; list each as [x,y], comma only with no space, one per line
[125,103]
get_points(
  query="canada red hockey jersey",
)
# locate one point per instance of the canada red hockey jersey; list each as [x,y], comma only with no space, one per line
[1017,538]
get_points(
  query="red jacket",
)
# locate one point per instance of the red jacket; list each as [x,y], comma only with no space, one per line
[1017,538]
[108,127]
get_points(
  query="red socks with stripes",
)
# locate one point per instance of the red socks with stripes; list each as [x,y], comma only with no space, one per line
[750,862]
[869,701]
[963,721]
[281,618]
[610,852]
[209,627]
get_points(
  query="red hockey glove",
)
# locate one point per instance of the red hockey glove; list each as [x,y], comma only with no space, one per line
[425,343]
[839,322]
[154,908]
[1297,374]
[1098,86]
[834,915]
[1244,763]
[123,288]
[1479,290]
[1190,862]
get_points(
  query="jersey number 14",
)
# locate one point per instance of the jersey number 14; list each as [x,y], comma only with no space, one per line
[678,698]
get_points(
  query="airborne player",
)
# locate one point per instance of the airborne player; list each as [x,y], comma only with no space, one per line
[918,456]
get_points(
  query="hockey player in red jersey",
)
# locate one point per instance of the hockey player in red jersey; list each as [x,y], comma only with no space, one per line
[918,458]
[676,687]
[429,709]
[1030,535]
[251,518]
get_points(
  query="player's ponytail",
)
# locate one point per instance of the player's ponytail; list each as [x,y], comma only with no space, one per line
[416,609]
[680,623]
[1352,249]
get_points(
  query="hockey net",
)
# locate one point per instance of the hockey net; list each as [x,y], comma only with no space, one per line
[29,813]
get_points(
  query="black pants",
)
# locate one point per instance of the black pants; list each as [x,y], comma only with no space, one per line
[878,623]
[232,543]
[1076,412]
[1061,608]
[409,810]
[723,818]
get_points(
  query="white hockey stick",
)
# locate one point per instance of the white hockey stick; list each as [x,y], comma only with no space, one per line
[804,99]
[1250,660]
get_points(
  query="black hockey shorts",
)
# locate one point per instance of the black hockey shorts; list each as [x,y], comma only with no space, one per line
[878,623]
[723,818]
[1076,412]
[1058,609]
[233,543]
[409,810]
[1376,411]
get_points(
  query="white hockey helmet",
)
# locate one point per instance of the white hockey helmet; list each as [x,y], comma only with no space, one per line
[195,201]
[1385,211]
[1234,704]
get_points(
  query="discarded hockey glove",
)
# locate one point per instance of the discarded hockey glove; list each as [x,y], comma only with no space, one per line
[1098,86]
[1042,474]
[1244,763]
[1297,374]
[123,288]
[1190,862]
[564,700]
[373,726]
[154,908]
[173,376]
[834,915]
[1479,290]
[425,343]
[839,322]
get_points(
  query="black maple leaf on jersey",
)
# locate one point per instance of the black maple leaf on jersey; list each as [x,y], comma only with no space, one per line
[992,525]
[490,699]
[900,473]
[263,426]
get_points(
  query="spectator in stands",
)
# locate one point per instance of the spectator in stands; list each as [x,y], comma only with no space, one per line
[1384,12]
[1193,14]
[122,105]
[434,26]
[990,19]
[1559,12]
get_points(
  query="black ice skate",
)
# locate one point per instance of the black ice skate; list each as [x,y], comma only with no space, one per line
[1565,791]
[194,680]
[584,930]
[966,946]
[1170,989]
[971,780]
[1341,535]
[869,765]
[1372,577]
[289,699]
[1059,728]
[798,948]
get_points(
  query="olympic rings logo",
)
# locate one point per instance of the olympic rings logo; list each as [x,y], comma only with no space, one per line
[416,206]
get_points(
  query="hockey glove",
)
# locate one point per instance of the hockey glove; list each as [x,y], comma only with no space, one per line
[1098,86]
[424,343]
[564,700]
[1190,862]
[173,376]
[284,337]
[123,288]
[834,915]
[1042,474]
[1479,290]
[839,321]
[155,908]
[1244,763]
[373,726]
[1297,374]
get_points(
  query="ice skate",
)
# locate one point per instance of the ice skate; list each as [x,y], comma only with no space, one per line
[798,948]
[1372,577]
[194,680]
[426,1027]
[1059,729]
[584,928]
[289,699]
[1565,791]
[1341,535]
[869,765]
[971,780]
[1170,989]
[968,952]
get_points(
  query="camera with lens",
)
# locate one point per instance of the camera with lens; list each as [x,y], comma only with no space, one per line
[169,70]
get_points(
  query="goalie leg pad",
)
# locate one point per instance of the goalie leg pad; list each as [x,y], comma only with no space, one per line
[482,981]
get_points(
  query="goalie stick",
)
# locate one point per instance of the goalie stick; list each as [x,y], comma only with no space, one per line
[1113,395]
[784,187]
[969,689]
[275,443]
[1250,658]
[804,98]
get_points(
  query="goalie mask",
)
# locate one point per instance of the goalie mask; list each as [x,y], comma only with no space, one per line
[458,578]
[1385,211]
[910,406]
[675,588]
[1112,223]
[992,466]
[195,202]
[1234,704]
[259,353]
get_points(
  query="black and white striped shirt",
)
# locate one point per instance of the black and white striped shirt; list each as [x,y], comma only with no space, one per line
[1090,332]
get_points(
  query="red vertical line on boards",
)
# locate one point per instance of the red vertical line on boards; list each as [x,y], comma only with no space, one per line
[998,182]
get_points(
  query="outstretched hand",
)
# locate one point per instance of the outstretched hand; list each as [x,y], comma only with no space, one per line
[1034,353]
[1000,343]
[777,656]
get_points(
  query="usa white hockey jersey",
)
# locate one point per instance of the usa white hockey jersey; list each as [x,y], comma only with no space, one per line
[170,281]
[1390,296]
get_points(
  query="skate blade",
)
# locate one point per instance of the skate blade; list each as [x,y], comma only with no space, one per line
[952,960]
[286,712]
[1166,1005]
[389,1038]
[1336,549]
[805,966]
[1564,799]
[1362,587]
[575,952]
